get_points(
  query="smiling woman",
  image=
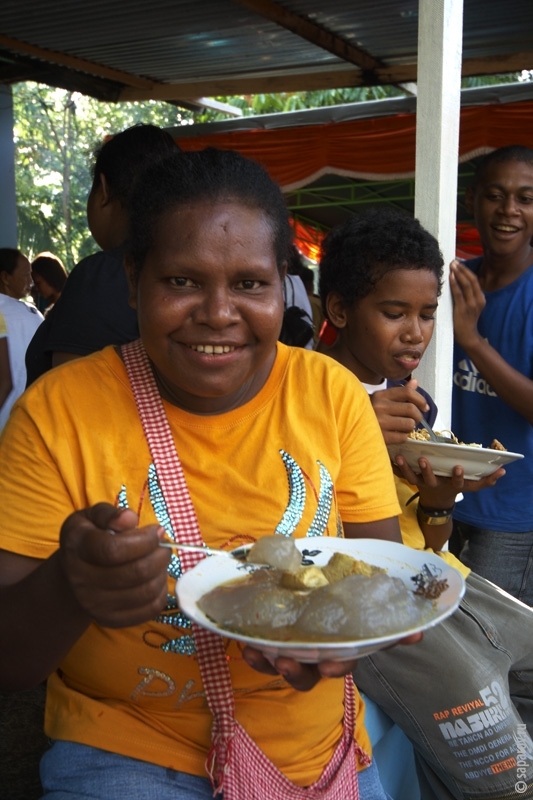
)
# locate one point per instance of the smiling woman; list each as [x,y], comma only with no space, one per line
[212,276]
[201,431]
[210,260]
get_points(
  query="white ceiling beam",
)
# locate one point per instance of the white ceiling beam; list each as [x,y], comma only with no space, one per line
[332,77]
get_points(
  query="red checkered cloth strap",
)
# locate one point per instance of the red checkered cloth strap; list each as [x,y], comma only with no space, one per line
[235,763]
[210,647]
[252,776]
[163,451]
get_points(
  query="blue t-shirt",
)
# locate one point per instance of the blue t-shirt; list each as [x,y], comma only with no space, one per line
[478,414]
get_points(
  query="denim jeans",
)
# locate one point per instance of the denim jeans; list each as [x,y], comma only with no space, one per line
[71,771]
[506,559]
[464,697]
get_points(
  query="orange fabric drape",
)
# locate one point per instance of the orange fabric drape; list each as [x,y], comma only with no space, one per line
[309,240]
[380,147]
[468,243]
[375,148]
[295,156]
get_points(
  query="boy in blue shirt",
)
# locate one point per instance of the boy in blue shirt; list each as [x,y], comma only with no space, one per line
[493,368]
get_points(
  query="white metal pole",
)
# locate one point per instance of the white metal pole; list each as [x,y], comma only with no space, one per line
[440,32]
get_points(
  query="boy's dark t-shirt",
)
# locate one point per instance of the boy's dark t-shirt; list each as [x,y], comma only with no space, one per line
[92,312]
[431,414]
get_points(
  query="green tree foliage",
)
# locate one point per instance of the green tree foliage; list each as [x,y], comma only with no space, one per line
[493,80]
[56,133]
[295,101]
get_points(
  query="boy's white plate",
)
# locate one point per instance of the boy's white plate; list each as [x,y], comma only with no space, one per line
[399,561]
[476,461]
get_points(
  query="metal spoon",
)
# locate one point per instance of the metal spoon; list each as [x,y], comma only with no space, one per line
[238,554]
[435,437]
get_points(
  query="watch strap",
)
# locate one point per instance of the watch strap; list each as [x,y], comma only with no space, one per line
[434,516]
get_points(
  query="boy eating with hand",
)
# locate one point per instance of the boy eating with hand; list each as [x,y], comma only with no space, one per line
[380,279]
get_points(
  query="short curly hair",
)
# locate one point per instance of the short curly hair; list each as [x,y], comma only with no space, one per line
[357,254]
[511,152]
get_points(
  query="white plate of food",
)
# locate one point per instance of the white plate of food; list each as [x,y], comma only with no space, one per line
[443,457]
[386,610]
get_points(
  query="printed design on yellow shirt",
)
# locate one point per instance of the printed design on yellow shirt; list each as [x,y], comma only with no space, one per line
[297,499]
[292,516]
[171,615]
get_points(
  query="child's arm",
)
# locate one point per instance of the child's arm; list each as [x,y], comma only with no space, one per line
[436,493]
[510,385]
[398,410]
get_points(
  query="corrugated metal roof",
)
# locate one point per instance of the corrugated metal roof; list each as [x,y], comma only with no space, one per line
[134,48]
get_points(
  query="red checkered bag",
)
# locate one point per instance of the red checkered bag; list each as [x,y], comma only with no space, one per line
[236,765]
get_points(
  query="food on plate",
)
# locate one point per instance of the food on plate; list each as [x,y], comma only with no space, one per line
[304,578]
[359,607]
[277,551]
[347,599]
[421,435]
[429,586]
[254,603]
[341,565]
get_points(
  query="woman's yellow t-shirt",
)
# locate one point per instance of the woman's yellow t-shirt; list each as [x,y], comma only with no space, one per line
[302,455]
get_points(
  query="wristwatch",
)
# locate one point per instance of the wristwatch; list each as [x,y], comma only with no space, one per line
[434,516]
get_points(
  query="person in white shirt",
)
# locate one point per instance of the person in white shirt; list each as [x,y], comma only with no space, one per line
[18,323]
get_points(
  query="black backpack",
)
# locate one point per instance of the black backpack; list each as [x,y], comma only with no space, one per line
[296,329]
